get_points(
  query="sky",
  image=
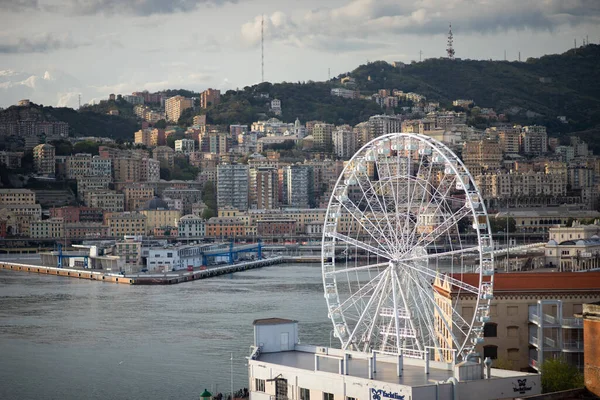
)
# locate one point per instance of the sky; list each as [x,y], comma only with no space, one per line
[53,51]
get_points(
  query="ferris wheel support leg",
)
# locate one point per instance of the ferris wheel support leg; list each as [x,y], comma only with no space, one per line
[400,366]
[427,361]
[374,362]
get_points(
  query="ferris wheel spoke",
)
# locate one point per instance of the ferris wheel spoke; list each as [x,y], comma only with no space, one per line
[434,305]
[347,239]
[363,291]
[432,274]
[351,208]
[356,269]
[448,223]
[369,199]
[378,291]
[473,249]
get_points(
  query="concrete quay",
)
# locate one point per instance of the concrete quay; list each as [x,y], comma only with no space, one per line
[142,278]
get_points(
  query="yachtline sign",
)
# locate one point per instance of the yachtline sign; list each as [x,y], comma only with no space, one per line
[379,394]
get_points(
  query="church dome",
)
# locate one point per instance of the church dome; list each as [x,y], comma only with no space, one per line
[155,204]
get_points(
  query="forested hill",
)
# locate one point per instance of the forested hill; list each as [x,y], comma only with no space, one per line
[560,84]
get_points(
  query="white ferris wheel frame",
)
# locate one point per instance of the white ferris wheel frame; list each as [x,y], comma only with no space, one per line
[482,293]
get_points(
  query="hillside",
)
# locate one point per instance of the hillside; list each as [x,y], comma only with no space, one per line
[571,85]
[87,122]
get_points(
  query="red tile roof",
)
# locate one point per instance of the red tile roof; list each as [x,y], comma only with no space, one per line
[539,281]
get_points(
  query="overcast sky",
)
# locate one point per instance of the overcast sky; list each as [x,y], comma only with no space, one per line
[53,50]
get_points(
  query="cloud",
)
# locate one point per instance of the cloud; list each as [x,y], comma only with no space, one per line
[39,44]
[110,7]
[352,26]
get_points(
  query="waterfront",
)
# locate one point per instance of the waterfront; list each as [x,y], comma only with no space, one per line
[63,338]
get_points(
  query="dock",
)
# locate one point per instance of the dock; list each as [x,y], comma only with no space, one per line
[142,278]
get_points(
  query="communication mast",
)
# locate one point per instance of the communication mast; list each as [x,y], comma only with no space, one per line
[450,49]
[262,48]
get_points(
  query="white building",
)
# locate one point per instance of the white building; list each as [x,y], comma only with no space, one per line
[185,146]
[150,170]
[101,166]
[280,368]
[191,226]
[174,258]
[276,106]
[344,143]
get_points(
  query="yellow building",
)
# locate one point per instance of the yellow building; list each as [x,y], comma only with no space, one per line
[143,137]
[136,196]
[44,159]
[107,200]
[16,196]
[174,106]
[126,224]
[52,228]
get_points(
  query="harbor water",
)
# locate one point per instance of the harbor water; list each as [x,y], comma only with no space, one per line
[63,338]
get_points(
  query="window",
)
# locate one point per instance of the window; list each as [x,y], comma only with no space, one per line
[169,255]
[351,398]
[327,396]
[260,385]
[490,330]
[304,394]
[512,310]
[493,311]
[512,331]
[490,351]
[513,354]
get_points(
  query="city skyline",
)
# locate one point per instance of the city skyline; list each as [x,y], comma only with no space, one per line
[96,47]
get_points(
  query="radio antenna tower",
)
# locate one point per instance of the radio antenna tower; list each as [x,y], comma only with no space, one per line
[450,49]
[262,48]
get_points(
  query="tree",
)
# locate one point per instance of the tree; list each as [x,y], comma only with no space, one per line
[160,124]
[559,375]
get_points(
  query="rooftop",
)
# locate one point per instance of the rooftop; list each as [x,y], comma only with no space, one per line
[273,321]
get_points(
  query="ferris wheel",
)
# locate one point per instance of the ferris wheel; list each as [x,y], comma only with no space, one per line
[407,258]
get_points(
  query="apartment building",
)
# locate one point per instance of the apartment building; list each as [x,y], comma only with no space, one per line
[72,214]
[210,97]
[514,314]
[44,159]
[186,195]
[185,146]
[16,196]
[232,186]
[127,169]
[130,249]
[322,135]
[52,228]
[298,186]
[534,140]
[136,196]
[224,227]
[174,106]
[263,187]
[78,165]
[142,137]
[344,142]
[107,200]
[126,224]
[482,155]
[165,155]
[149,170]
[20,216]
[191,226]
[86,230]
[160,217]
[101,167]
[379,125]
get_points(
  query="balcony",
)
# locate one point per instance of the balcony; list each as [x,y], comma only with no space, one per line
[549,320]
[534,340]
[573,346]
[576,323]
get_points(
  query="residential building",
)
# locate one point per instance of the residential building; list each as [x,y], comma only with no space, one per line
[345,93]
[210,97]
[379,125]
[165,155]
[142,137]
[158,215]
[44,159]
[18,217]
[322,134]
[174,106]
[78,165]
[158,137]
[137,195]
[462,103]
[16,196]
[344,143]
[73,214]
[224,227]
[101,167]
[510,141]
[215,143]
[510,333]
[11,159]
[275,228]
[87,184]
[232,186]
[276,106]
[185,146]
[107,200]
[187,196]
[263,187]
[130,249]
[534,140]
[127,169]
[86,230]
[149,170]
[126,224]
[191,226]
[47,229]
[482,155]
[298,186]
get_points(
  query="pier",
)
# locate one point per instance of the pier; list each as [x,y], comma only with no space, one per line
[142,278]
